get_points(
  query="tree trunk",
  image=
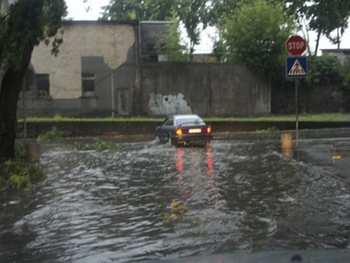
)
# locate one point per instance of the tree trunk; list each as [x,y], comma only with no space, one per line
[317,41]
[9,94]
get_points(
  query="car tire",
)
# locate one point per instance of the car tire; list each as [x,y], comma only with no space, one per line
[157,139]
[170,143]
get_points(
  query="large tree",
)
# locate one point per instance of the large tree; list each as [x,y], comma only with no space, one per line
[325,17]
[171,45]
[143,9]
[322,16]
[193,14]
[255,36]
[23,26]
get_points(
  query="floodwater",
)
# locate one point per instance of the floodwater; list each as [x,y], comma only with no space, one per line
[143,202]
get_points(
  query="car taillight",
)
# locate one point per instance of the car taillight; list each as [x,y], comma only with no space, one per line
[178,132]
[208,129]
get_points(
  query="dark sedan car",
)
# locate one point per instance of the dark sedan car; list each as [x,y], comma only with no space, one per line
[184,129]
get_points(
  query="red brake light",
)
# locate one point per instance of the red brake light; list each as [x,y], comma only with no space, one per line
[209,129]
[178,132]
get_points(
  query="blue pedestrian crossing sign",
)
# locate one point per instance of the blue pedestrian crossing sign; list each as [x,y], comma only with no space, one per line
[296,67]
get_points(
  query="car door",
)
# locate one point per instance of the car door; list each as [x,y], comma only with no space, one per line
[165,128]
[168,128]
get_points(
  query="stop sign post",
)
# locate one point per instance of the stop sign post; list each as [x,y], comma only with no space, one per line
[296,45]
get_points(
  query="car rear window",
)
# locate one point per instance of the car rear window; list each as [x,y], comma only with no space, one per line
[189,121]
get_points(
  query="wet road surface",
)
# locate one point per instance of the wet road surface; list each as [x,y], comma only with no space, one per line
[145,202]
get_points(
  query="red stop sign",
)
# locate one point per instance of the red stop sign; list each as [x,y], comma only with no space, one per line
[296,45]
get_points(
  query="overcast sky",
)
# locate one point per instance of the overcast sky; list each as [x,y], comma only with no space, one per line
[77,10]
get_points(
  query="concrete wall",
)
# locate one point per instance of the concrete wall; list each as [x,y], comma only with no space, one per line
[202,88]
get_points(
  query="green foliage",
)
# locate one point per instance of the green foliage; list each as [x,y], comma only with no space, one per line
[268,130]
[171,45]
[156,10]
[98,145]
[23,26]
[322,16]
[53,135]
[20,173]
[45,96]
[178,215]
[347,74]
[311,117]
[255,36]
[324,70]
[26,24]
[58,117]
[192,13]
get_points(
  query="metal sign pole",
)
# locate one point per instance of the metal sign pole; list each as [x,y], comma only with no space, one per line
[112,91]
[24,112]
[296,68]
[296,115]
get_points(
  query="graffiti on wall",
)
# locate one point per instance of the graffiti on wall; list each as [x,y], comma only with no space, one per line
[168,104]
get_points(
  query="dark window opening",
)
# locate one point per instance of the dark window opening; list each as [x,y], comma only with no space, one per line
[88,83]
[43,83]
[150,47]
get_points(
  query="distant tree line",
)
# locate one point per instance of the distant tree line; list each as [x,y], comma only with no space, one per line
[324,17]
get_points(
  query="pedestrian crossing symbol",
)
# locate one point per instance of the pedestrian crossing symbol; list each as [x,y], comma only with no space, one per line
[296,67]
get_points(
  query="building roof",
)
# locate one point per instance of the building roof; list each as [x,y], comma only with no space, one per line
[340,50]
[99,22]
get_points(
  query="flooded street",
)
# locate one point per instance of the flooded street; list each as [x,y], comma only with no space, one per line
[143,202]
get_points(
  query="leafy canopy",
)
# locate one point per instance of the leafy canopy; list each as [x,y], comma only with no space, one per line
[24,25]
[255,36]
[192,13]
[171,45]
[324,70]
[322,16]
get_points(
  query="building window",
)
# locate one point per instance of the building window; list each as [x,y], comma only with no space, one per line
[88,82]
[43,83]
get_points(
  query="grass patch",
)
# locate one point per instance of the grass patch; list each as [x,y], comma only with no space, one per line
[269,130]
[54,135]
[272,118]
[286,118]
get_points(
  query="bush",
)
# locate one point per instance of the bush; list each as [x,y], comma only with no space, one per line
[51,136]
[324,70]
[20,173]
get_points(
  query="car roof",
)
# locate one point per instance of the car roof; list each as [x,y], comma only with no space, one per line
[179,116]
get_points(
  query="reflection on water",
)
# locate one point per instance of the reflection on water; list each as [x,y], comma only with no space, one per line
[144,202]
[199,171]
